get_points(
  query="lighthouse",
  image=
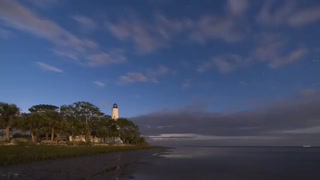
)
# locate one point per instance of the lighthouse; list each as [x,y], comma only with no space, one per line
[115,112]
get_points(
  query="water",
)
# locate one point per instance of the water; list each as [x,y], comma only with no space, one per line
[230,163]
[214,163]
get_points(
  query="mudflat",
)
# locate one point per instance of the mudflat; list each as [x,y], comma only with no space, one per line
[102,166]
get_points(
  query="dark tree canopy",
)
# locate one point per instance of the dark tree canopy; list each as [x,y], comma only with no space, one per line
[77,119]
[8,112]
[42,108]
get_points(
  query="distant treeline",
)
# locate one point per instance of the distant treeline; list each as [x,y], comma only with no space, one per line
[78,119]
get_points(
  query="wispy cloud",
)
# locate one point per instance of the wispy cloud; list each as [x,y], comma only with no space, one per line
[106,58]
[224,64]
[210,27]
[45,3]
[86,23]
[137,32]
[151,75]
[83,51]
[161,31]
[67,54]
[148,36]
[273,50]
[237,7]
[99,83]
[290,58]
[267,48]
[288,13]
[154,74]
[17,16]
[48,67]
[132,77]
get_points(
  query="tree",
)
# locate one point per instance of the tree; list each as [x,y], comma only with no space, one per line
[84,115]
[8,112]
[2,133]
[129,132]
[107,128]
[31,122]
[73,125]
[51,119]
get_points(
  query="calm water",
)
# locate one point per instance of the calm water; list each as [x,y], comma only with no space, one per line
[239,163]
[214,163]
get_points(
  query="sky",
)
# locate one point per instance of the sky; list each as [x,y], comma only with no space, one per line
[186,71]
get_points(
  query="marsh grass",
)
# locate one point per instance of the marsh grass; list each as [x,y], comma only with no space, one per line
[26,153]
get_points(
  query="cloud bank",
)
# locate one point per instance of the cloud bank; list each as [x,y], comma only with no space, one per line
[291,122]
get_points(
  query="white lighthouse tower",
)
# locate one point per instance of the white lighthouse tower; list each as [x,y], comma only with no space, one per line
[115,112]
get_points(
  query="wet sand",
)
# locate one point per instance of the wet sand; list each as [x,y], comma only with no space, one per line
[106,166]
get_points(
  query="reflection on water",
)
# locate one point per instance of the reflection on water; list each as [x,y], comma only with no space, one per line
[232,163]
[238,163]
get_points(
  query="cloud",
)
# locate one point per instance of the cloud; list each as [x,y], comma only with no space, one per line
[305,17]
[224,64]
[270,49]
[48,67]
[85,22]
[217,28]
[44,3]
[146,36]
[288,13]
[17,16]
[133,77]
[309,93]
[161,30]
[292,57]
[237,7]
[136,32]
[291,122]
[67,54]
[106,58]
[99,83]
[151,75]
[154,74]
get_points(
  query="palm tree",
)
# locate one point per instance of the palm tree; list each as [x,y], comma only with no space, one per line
[7,113]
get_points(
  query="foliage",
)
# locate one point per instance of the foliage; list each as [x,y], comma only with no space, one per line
[31,122]
[8,112]
[51,119]
[78,119]
[84,114]
[128,130]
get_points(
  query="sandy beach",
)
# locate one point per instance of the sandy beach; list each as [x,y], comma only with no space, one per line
[106,166]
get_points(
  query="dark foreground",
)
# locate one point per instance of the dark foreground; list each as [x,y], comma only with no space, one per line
[27,153]
[222,163]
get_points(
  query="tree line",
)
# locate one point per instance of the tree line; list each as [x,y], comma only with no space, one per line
[77,119]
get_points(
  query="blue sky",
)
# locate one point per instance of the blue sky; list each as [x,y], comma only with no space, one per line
[158,55]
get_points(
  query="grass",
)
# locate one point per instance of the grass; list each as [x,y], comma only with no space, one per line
[17,154]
